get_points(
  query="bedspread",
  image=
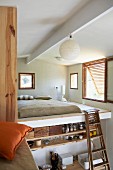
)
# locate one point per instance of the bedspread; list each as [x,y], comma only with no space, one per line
[39,108]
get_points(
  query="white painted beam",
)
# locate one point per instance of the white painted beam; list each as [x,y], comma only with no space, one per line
[89,13]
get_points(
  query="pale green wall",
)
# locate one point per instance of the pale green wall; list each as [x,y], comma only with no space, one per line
[47,76]
[76,95]
[50,75]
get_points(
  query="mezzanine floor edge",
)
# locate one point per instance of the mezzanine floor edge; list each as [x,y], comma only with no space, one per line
[64,118]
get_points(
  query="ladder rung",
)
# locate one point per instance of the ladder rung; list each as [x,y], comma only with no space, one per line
[93,120]
[98,150]
[91,110]
[100,165]
[97,136]
[92,116]
[94,123]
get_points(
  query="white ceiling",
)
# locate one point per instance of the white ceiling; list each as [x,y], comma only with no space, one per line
[95,41]
[38,20]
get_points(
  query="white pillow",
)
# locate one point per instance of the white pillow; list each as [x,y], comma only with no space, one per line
[25,97]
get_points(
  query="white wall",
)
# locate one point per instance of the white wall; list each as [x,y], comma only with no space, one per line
[76,95]
[47,76]
[42,156]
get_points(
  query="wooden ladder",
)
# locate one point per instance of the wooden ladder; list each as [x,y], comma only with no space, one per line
[92,120]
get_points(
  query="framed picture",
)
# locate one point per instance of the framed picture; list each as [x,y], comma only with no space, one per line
[26,80]
[74,81]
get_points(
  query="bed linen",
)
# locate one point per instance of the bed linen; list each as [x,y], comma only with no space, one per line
[23,160]
[39,108]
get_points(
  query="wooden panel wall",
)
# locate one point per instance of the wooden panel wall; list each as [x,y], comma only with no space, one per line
[8,57]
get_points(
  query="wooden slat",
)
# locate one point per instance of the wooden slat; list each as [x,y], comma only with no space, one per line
[74,166]
[98,150]
[98,74]
[97,166]
[100,61]
[101,70]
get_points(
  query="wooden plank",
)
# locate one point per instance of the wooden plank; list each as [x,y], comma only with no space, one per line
[75,166]
[8,57]
[63,134]
[57,142]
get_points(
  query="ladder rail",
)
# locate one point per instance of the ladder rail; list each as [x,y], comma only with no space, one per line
[102,140]
[89,142]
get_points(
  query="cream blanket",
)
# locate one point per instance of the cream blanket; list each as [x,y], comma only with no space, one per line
[39,108]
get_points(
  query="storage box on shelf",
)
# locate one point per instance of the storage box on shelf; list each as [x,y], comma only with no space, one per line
[30,135]
[66,159]
[41,132]
[55,130]
[57,135]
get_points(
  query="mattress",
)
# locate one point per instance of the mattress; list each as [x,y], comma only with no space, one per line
[39,108]
[23,160]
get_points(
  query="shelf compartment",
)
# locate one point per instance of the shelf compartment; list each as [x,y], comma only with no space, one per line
[63,134]
[56,143]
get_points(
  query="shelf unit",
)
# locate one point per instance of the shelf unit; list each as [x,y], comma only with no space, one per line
[54,141]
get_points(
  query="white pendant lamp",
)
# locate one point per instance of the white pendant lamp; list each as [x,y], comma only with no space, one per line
[69,49]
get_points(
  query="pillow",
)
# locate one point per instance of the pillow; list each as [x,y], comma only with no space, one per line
[43,97]
[11,135]
[20,97]
[25,97]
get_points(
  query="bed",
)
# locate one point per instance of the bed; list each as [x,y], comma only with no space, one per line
[58,119]
[40,108]
[23,160]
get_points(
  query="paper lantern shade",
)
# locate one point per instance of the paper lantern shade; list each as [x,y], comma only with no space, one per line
[69,49]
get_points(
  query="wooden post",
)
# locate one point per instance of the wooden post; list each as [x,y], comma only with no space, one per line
[8,59]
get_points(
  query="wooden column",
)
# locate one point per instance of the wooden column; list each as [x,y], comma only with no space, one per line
[8,59]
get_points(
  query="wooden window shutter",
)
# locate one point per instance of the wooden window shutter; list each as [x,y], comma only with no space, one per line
[97,72]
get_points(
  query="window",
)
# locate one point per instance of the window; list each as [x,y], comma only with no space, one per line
[26,80]
[74,81]
[94,80]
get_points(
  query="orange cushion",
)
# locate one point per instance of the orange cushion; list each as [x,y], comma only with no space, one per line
[11,135]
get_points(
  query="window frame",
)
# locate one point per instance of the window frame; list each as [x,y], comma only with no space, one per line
[108,60]
[84,79]
[32,81]
[71,74]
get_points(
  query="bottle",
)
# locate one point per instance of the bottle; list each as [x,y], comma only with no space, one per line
[63,129]
[74,127]
[81,126]
[71,128]
[67,129]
